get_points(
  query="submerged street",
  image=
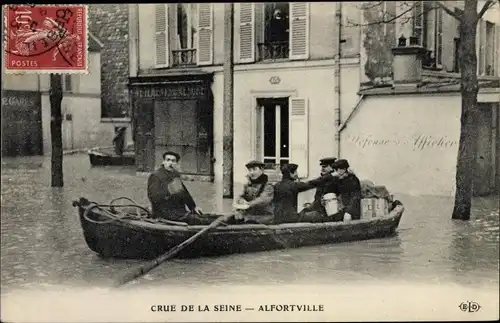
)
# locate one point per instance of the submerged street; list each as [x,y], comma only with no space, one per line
[42,243]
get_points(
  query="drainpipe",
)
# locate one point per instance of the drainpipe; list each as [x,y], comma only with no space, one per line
[337,42]
[228,113]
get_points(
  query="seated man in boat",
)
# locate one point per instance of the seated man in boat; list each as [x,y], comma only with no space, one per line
[257,196]
[326,183]
[286,192]
[168,196]
[348,191]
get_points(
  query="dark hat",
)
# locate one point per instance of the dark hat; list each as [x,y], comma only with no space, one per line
[171,153]
[289,168]
[341,164]
[327,161]
[254,163]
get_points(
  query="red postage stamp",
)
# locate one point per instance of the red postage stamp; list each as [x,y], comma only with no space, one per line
[45,39]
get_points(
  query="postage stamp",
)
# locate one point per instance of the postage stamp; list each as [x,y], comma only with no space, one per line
[45,39]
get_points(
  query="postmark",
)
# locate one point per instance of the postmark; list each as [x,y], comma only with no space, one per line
[45,39]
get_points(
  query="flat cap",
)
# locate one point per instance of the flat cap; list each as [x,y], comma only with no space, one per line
[172,153]
[327,161]
[341,164]
[289,168]
[254,163]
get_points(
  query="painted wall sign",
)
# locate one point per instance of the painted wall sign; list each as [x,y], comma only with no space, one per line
[275,80]
[172,92]
[417,142]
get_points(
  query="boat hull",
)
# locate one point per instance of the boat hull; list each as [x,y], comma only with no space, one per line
[98,159]
[138,239]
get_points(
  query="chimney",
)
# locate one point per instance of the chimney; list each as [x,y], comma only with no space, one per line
[407,63]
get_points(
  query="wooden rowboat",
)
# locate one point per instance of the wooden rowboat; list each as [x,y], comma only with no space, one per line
[148,238]
[102,157]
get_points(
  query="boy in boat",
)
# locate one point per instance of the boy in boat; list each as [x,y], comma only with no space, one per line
[348,191]
[167,193]
[257,196]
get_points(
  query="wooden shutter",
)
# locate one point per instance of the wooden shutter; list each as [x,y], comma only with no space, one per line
[299,135]
[204,52]
[246,19]
[299,30]
[390,28]
[496,51]
[482,47]
[438,30]
[161,35]
[418,20]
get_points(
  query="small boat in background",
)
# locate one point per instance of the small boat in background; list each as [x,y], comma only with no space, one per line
[108,157]
[112,233]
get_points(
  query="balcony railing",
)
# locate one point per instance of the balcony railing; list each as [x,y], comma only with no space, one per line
[273,50]
[184,57]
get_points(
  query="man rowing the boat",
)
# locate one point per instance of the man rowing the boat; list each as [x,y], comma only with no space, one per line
[169,198]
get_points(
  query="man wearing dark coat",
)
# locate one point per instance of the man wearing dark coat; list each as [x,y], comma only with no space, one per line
[285,195]
[167,193]
[348,191]
[326,183]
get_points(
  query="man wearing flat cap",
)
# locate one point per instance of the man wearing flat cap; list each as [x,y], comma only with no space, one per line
[348,190]
[257,195]
[168,196]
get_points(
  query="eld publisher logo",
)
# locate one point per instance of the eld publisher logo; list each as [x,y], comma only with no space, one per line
[470,307]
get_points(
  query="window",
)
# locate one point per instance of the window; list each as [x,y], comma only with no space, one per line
[282,133]
[67,83]
[431,34]
[418,21]
[275,141]
[186,37]
[490,49]
[276,31]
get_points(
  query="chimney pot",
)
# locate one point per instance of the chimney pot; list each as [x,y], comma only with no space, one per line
[407,65]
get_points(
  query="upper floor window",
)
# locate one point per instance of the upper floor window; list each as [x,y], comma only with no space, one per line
[276,31]
[491,42]
[183,34]
[186,37]
[428,29]
[67,83]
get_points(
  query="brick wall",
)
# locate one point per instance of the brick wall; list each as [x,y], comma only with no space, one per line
[109,22]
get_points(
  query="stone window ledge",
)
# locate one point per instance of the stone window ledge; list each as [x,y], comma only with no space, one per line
[115,120]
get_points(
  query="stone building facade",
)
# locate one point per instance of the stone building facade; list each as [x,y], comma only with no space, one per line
[109,22]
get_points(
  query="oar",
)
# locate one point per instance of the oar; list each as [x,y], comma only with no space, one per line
[143,269]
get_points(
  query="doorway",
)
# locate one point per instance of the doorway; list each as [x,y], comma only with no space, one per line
[273,139]
[185,126]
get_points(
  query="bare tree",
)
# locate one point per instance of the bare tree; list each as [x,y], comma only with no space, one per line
[56,95]
[381,42]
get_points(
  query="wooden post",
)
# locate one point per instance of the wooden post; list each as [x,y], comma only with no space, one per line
[227,144]
[56,96]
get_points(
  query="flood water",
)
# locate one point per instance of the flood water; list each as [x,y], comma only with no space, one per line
[42,243]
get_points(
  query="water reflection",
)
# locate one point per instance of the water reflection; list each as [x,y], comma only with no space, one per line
[42,243]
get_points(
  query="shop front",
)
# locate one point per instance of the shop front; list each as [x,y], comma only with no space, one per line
[174,112]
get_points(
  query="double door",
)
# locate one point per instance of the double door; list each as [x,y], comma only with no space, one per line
[185,126]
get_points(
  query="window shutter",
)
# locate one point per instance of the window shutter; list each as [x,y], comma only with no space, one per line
[246,48]
[204,52]
[439,37]
[161,35]
[299,30]
[418,20]
[299,135]
[482,48]
[390,28]
[496,51]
